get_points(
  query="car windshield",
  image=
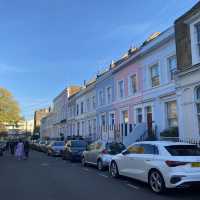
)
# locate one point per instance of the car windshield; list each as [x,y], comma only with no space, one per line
[115,148]
[183,150]
[78,143]
[58,144]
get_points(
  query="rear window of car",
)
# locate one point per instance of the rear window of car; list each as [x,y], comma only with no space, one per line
[183,150]
[115,148]
[78,143]
[59,144]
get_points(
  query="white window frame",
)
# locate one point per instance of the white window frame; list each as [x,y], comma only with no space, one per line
[197,36]
[110,94]
[121,114]
[168,66]
[150,74]
[130,89]
[118,89]
[166,111]
[110,119]
[101,102]
[103,128]
[93,102]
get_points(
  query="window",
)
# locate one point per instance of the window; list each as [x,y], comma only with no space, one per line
[183,150]
[198,105]
[88,105]
[198,35]
[94,126]
[82,109]
[93,102]
[121,89]
[78,128]
[172,66]
[133,84]
[77,109]
[139,115]
[103,122]
[155,78]
[83,127]
[150,149]
[100,97]
[112,119]
[135,149]
[172,114]
[109,95]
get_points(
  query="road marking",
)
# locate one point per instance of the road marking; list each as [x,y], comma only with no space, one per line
[103,175]
[44,164]
[132,186]
[86,169]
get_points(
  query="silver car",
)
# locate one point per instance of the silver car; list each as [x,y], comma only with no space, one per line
[100,153]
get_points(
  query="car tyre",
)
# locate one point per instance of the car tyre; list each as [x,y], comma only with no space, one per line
[100,165]
[114,172]
[83,162]
[156,182]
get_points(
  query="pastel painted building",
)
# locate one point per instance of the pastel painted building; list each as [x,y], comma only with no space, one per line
[82,107]
[145,89]
[104,101]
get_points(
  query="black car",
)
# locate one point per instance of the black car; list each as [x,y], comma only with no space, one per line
[73,150]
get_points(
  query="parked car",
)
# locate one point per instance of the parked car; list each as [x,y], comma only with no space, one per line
[43,146]
[100,153]
[161,164]
[55,148]
[73,150]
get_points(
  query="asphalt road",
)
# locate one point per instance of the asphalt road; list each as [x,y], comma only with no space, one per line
[51,178]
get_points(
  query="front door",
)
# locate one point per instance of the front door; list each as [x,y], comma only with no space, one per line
[149,120]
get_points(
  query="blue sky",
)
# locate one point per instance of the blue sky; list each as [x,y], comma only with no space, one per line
[46,45]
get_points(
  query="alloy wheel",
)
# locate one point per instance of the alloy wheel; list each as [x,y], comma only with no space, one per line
[114,170]
[100,165]
[156,182]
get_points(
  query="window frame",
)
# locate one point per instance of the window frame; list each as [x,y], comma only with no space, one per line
[118,89]
[171,71]
[151,77]
[168,118]
[130,88]
[197,30]
[107,99]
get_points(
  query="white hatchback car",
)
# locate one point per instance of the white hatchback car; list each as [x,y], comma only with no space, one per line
[161,164]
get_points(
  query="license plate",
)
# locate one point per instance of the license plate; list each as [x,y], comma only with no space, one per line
[196,164]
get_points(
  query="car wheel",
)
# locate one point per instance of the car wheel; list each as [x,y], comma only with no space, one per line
[100,165]
[156,181]
[83,162]
[114,170]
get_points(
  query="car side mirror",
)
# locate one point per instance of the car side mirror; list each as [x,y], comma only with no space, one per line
[125,152]
[87,147]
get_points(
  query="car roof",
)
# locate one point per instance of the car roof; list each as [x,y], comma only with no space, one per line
[162,143]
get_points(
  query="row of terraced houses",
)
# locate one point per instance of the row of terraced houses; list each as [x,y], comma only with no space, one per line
[151,89]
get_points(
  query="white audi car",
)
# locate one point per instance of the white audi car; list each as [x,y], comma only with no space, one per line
[161,164]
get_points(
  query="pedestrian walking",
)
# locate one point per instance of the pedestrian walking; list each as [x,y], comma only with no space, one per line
[26,149]
[19,150]
[12,147]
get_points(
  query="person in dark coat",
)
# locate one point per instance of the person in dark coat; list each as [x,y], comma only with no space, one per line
[26,149]
[12,147]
